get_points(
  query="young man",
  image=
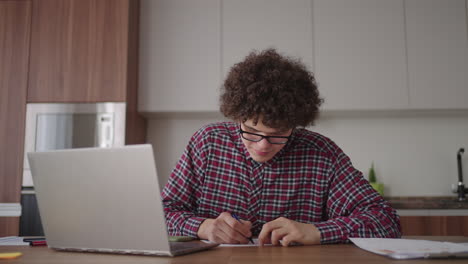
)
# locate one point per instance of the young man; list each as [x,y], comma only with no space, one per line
[265,175]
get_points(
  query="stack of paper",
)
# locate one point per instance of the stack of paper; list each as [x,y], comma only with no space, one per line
[12,241]
[411,248]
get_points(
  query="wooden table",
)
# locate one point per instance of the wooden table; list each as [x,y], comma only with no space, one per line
[330,254]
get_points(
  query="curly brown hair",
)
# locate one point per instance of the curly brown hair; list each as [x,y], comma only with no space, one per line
[278,90]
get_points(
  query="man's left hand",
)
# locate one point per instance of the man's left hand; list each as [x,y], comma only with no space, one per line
[285,232]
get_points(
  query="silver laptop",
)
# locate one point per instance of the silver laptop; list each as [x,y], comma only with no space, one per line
[104,200]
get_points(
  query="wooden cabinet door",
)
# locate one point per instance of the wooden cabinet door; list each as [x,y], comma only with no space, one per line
[78,51]
[360,56]
[14,53]
[434,225]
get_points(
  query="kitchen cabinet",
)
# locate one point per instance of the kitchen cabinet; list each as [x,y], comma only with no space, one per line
[180,55]
[360,56]
[15,21]
[434,225]
[60,51]
[79,51]
[366,54]
[86,51]
[261,24]
[437,54]
[186,50]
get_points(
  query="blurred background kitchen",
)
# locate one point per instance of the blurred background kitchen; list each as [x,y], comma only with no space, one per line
[394,76]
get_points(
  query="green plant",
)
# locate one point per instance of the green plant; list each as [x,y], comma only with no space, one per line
[372,177]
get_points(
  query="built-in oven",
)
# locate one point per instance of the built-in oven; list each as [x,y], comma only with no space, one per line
[51,126]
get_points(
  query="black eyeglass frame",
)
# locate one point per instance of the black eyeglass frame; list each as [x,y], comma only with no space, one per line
[287,138]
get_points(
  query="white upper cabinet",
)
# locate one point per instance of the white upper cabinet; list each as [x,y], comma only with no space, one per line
[437,54]
[180,55]
[261,24]
[366,54]
[360,56]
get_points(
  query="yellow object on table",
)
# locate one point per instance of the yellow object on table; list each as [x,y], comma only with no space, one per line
[10,255]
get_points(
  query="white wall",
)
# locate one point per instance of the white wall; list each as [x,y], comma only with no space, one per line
[169,134]
[414,153]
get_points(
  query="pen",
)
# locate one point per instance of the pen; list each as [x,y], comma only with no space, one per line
[238,219]
[33,239]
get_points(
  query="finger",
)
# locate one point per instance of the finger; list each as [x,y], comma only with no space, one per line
[231,221]
[241,226]
[230,235]
[264,236]
[246,223]
[264,241]
[217,233]
[244,227]
[288,240]
[219,238]
[278,234]
[222,237]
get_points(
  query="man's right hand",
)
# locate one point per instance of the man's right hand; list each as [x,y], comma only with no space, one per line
[225,230]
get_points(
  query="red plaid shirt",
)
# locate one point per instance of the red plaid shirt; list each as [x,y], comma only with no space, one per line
[310,180]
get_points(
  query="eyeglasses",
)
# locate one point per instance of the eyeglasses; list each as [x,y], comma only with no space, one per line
[278,140]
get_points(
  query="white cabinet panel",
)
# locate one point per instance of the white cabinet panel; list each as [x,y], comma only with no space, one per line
[437,53]
[180,55]
[261,24]
[360,59]
[366,54]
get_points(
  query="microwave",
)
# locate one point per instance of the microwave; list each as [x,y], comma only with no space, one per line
[51,126]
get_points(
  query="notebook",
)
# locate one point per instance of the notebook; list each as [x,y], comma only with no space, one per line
[103,200]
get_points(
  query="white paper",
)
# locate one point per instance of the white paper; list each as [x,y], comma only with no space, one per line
[13,241]
[410,248]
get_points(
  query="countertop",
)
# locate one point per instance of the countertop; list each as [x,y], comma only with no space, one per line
[427,202]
